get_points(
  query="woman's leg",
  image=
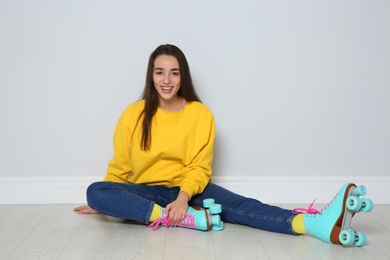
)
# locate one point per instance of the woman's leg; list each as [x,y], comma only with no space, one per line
[129,201]
[238,209]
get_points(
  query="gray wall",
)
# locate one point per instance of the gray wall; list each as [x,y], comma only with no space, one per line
[298,88]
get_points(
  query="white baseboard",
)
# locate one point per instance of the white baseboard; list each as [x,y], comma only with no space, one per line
[301,189]
[44,190]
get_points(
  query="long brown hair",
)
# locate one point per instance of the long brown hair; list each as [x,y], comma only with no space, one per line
[150,95]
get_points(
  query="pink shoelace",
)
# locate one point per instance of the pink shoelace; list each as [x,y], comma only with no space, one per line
[188,222]
[309,210]
[164,221]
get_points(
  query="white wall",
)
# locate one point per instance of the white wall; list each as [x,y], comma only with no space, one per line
[298,88]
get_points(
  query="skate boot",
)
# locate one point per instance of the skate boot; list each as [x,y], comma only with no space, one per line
[196,218]
[332,224]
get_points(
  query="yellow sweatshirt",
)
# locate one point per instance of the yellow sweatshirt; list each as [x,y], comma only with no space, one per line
[180,154]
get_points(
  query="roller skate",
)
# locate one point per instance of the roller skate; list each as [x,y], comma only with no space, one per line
[205,219]
[332,224]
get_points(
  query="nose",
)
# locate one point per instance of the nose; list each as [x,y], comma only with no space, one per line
[167,78]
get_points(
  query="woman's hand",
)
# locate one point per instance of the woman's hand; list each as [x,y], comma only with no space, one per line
[85,210]
[177,210]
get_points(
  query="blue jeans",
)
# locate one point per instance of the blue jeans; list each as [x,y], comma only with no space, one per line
[135,202]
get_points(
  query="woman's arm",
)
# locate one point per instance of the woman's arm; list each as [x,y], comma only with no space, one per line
[119,167]
[198,171]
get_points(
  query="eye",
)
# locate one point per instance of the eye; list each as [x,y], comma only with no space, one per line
[175,73]
[158,72]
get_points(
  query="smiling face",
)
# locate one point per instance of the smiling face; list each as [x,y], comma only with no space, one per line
[167,80]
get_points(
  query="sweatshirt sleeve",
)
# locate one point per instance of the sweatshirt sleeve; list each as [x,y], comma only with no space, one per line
[119,167]
[198,172]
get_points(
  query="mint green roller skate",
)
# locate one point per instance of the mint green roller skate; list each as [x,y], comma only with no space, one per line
[205,219]
[333,223]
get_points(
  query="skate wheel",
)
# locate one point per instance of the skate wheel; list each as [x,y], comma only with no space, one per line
[360,190]
[208,202]
[347,237]
[360,239]
[354,203]
[367,205]
[215,209]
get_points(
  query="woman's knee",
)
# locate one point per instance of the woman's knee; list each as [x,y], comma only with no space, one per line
[95,190]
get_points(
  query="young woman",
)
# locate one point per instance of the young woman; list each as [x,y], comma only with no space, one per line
[161,169]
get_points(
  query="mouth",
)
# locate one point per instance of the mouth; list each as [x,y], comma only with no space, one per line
[166,89]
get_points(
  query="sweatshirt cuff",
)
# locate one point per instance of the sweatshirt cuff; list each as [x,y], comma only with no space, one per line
[189,189]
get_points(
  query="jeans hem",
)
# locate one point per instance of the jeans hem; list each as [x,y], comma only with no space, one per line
[289,221]
[149,214]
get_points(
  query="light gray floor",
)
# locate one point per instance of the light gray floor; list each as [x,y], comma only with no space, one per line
[56,232]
